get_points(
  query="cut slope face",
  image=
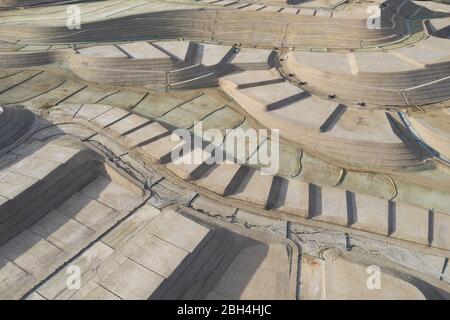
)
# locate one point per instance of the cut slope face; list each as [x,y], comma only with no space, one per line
[29,184]
[433,128]
[15,123]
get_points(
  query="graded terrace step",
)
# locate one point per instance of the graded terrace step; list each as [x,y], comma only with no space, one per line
[380,77]
[163,65]
[331,128]
[320,281]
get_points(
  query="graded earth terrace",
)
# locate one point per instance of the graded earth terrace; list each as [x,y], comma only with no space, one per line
[90,115]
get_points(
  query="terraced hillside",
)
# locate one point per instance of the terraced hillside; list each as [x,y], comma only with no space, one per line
[90,120]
